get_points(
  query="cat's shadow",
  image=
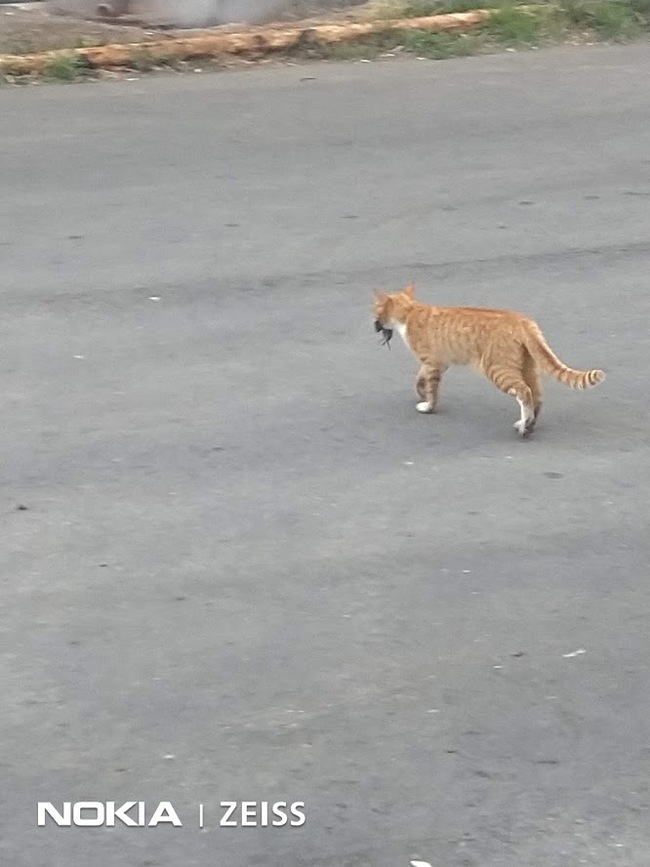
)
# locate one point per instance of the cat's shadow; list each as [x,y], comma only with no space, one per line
[465,421]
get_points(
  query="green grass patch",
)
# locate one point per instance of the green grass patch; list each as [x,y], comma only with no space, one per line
[609,20]
[513,26]
[440,46]
[422,8]
[509,26]
[66,67]
[426,8]
[144,60]
[613,20]
[367,47]
[94,42]
[422,43]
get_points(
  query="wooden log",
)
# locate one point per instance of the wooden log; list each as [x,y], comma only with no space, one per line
[253,40]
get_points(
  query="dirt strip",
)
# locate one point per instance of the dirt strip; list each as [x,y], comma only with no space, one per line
[253,41]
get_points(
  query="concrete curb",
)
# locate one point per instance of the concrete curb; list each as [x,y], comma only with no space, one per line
[253,41]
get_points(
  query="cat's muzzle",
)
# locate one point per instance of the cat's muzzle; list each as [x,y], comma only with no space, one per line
[387,332]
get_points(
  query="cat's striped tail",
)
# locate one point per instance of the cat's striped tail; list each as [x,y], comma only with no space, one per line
[551,364]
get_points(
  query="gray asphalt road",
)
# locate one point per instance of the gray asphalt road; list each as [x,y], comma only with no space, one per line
[248,569]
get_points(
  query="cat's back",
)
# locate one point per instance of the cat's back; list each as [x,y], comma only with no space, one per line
[482,320]
[481,314]
[464,333]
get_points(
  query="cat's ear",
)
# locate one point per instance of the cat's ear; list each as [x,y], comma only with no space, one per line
[409,291]
[380,296]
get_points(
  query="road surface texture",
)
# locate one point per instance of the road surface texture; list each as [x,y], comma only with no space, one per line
[245,567]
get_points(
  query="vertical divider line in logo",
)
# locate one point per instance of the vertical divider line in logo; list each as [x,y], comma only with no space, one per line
[200,815]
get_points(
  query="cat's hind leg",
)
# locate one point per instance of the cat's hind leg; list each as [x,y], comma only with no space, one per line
[525,424]
[510,380]
[531,374]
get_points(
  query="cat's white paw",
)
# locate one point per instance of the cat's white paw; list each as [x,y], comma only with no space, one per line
[524,428]
[424,406]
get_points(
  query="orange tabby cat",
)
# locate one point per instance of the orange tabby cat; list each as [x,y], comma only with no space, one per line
[507,347]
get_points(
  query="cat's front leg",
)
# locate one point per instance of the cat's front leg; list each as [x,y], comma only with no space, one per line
[420,380]
[427,384]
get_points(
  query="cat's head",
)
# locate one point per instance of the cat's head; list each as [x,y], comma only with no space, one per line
[389,309]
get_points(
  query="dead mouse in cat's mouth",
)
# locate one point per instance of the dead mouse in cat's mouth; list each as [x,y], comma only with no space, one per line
[387,333]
